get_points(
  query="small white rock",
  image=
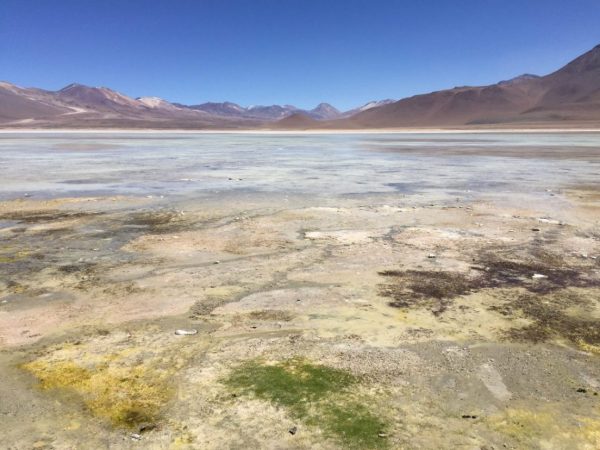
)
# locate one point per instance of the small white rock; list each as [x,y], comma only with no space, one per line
[550,221]
[538,276]
[183,332]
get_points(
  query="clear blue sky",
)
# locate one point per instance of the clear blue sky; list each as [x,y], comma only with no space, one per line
[301,52]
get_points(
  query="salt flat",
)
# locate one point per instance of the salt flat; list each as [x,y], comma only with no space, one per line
[447,282]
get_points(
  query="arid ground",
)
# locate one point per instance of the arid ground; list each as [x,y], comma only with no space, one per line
[414,291]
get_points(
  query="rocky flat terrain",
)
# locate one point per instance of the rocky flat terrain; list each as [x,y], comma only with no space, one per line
[379,322]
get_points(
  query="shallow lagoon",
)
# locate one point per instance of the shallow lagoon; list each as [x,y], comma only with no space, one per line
[187,164]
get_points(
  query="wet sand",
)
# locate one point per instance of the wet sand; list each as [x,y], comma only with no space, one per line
[451,300]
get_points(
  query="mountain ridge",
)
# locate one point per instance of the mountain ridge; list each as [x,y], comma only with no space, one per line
[567,96]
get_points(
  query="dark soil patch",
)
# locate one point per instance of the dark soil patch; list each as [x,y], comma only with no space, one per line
[45,216]
[430,289]
[85,267]
[435,290]
[205,307]
[503,273]
[271,315]
[158,221]
[550,317]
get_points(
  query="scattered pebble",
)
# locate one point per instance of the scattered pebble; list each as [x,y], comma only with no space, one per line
[146,427]
[535,229]
[581,390]
[382,435]
[293,430]
[538,275]
[431,256]
[136,437]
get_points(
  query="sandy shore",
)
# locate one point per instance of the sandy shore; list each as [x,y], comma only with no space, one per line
[307,132]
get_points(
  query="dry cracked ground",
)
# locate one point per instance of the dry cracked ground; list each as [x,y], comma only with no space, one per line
[383,321]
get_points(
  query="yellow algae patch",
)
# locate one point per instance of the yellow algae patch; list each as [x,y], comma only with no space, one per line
[14,256]
[590,432]
[588,347]
[57,375]
[182,442]
[547,429]
[522,424]
[125,396]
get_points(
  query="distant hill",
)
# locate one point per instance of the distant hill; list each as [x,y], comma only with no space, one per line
[297,121]
[324,111]
[568,97]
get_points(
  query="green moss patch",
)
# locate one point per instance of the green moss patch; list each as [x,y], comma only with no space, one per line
[355,425]
[318,395]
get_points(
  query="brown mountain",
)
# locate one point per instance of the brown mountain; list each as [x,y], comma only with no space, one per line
[17,104]
[568,96]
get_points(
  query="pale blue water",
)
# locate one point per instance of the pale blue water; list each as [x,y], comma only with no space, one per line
[185,164]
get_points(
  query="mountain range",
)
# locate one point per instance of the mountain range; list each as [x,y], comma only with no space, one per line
[569,96]
[81,106]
